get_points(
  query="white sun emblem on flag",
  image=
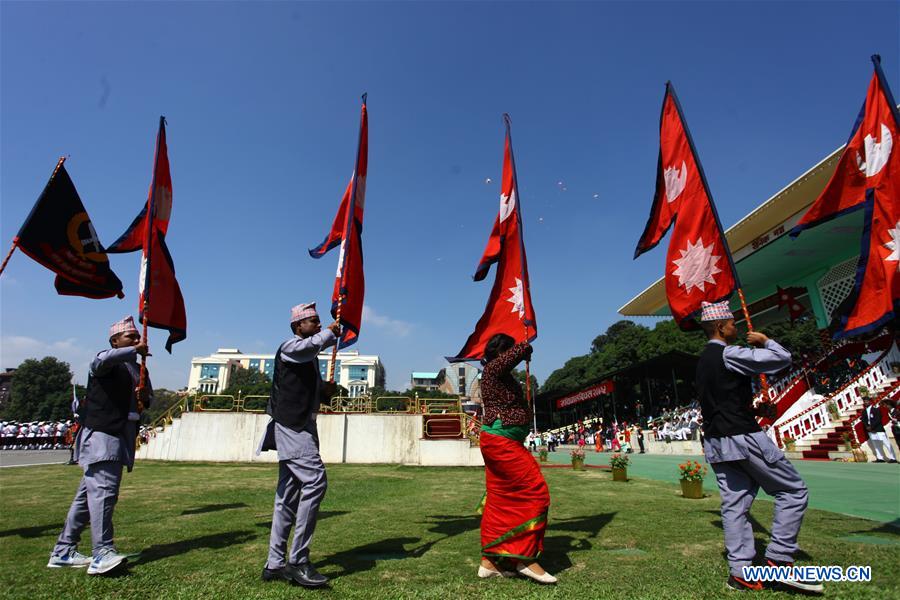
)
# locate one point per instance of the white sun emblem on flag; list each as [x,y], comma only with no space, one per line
[696,266]
[517,299]
[894,245]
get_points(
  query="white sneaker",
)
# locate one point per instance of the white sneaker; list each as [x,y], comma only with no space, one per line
[106,562]
[72,559]
[526,572]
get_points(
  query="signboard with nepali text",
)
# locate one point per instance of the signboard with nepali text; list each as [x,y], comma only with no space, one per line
[601,389]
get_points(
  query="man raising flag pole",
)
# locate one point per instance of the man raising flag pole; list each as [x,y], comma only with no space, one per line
[868,177]
[699,267]
[346,231]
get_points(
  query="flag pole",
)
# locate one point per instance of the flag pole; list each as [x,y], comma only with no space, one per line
[334,349]
[763,380]
[12,248]
[148,250]
[351,210]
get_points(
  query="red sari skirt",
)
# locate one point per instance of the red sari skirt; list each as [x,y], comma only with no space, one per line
[515,507]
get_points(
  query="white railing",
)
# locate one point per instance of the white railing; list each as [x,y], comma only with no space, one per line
[847,400]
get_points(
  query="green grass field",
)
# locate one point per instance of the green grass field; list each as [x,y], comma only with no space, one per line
[404,532]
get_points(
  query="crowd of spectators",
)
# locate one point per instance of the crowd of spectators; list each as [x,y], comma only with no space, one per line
[679,424]
[36,435]
[592,432]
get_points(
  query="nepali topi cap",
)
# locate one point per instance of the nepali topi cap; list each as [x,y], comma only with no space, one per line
[715,311]
[303,311]
[126,325]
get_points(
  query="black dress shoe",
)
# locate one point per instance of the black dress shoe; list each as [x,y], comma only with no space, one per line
[274,574]
[305,575]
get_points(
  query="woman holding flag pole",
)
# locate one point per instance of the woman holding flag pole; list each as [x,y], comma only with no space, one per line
[515,505]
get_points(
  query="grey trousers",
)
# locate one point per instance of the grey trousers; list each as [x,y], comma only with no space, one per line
[94,502]
[739,481]
[301,487]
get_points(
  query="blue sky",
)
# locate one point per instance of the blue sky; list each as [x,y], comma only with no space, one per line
[262,101]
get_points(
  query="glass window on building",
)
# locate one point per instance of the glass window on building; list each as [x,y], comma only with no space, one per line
[462,371]
[269,368]
[359,373]
[209,371]
[323,369]
[254,364]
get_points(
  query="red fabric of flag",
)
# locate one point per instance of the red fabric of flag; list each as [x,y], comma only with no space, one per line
[509,309]
[698,263]
[867,177]
[159,289]
[346,232]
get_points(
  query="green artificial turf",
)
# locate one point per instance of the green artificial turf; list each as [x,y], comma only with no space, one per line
[869,490]
[403,532]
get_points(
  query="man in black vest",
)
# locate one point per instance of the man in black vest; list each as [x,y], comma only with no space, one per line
[878,439]
[741,454]
[297,390]
[105,443]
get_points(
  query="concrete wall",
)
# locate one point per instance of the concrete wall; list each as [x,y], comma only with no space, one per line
[674,447]
[364,438]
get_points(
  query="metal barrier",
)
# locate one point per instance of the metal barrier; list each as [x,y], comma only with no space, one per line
[472,429]
[253,400]
[345,404]
[437,406]
[431,420]
[200,403]
[394,404]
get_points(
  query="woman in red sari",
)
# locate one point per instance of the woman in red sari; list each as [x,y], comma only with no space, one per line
[515,508]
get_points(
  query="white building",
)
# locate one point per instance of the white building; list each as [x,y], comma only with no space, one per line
[354,371]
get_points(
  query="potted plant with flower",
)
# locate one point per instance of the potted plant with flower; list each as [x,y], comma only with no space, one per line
[788,442]
[543,453]
[619,464]
[578,459]
[692,473]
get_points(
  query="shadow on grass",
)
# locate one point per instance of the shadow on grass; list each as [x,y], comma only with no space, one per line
[208,508]
[557,547]
[213,542]
[365,557]
[32,532]
[893,528]
[323,514]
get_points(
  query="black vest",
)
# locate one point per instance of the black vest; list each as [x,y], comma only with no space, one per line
[108,400]
[726,397]
[293,396]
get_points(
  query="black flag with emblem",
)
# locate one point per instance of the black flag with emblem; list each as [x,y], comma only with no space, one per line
[59,235]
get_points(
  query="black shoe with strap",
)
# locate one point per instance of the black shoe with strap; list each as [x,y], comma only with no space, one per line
[804,586]
[305,575]
[739,584]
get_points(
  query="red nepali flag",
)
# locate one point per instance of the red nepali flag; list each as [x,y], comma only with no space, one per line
[698,264]
[346,231]
[509,309]
[160,300]
[868,177]
[58,234]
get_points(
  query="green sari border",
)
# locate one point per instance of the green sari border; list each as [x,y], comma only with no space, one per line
[541,518]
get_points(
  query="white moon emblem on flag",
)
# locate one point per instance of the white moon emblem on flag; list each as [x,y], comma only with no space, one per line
[142,278]
[877,153]
[675,181]
[507,205]
[894,245]
[518,298]
[696,266]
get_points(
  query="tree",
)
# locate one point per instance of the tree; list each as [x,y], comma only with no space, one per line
[520,377]
[249,382]
[41,390]
[801,337]
[163,400]
[623,344]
